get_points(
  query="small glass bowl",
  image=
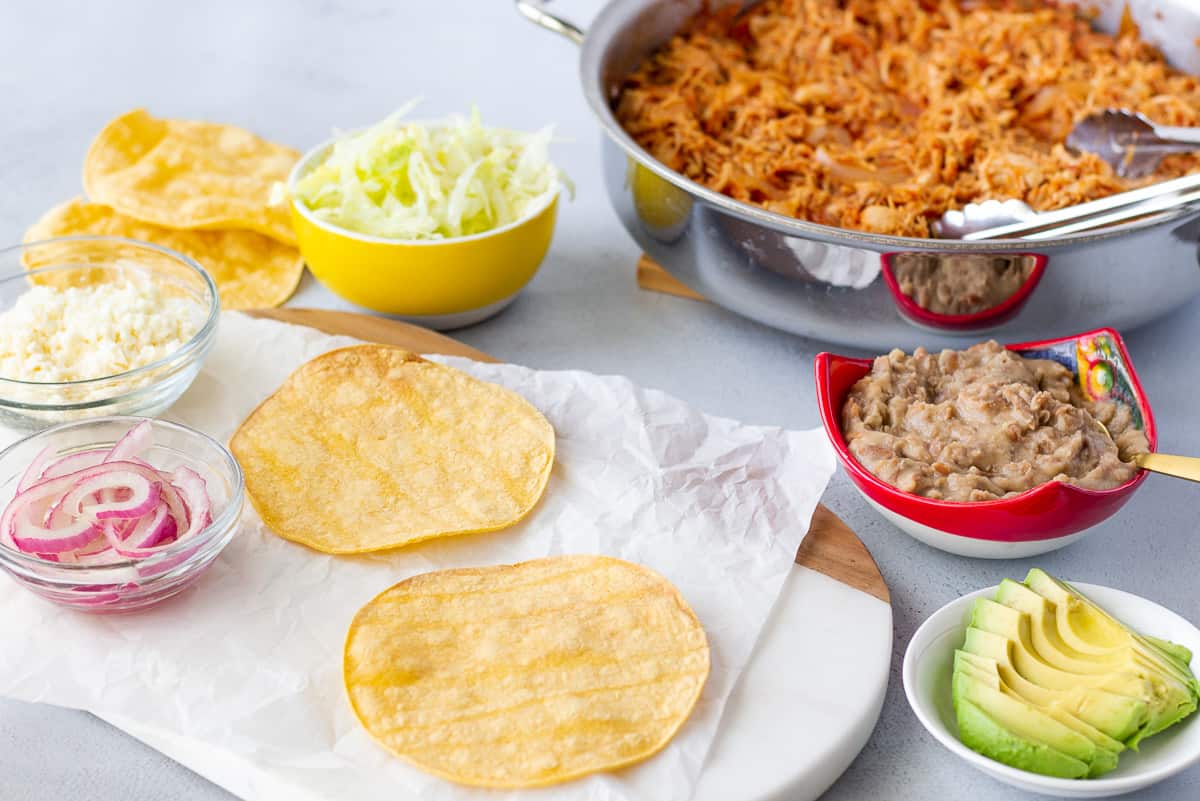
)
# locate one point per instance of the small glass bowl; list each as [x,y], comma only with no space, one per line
[134,583]
[86,260]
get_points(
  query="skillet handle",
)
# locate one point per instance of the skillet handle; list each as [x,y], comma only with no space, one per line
[535,11]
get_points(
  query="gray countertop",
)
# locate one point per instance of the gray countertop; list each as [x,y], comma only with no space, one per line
[293,69]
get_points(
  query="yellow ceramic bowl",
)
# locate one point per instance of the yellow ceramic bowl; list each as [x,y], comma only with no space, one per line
[443,283]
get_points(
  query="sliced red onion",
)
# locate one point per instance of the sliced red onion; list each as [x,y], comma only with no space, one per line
[73,463]
[152,531]
[132,444]
[58,517]
[34,536]
[95,507]
[143,494]
[61,486]
[136,441]
[33,473]
[25,523]
[195,494]
[192,515]
[88,553]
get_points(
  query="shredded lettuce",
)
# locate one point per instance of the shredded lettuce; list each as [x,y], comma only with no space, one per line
[416,182]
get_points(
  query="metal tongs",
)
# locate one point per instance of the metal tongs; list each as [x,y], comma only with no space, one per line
[1013,219]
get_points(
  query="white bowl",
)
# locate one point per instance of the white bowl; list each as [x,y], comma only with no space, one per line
[928,665]
[968,546]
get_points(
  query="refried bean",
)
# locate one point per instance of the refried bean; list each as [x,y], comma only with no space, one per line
[985,423]
[961,285]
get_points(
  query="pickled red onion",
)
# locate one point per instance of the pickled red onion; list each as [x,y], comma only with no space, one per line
[106,482]
[87,506]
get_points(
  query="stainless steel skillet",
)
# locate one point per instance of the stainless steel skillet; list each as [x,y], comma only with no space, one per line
[846,286]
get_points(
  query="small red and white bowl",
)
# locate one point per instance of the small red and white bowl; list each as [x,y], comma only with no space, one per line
[978,321]
[1043,519]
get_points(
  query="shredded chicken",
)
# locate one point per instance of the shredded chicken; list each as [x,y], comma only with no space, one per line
[879,115]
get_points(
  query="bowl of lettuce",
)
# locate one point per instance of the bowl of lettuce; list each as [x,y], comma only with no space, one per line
[440,222]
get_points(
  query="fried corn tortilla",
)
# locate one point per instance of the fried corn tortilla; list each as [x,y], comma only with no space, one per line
[186,174]
[528,674]
[371,447]
[251,271]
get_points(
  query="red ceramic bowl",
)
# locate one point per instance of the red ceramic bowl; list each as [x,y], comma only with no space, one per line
[1042,519]
[963,323]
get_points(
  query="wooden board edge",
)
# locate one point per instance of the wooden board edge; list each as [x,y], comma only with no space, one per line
[830,548]
[374,329]
[652,276]
[833,548]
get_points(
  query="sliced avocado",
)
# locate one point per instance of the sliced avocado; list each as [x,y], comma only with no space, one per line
[1048,681]
[988,671]
[1174,690]
[1095,620]
[1050,639]
[1055,708]
[1174,660]
[1014,625]
[977,666]
[1078,626]
[1010,731]
[1141,676]
[1033,661]
[982,734]
[1118,716]
[1180,653]
[1049,644]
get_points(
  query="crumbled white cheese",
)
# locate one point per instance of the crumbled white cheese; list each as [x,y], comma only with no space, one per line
[78,333]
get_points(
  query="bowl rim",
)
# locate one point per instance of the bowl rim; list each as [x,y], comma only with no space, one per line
[196,342]
[895,496]
[956,609]
[305,163]
[963,323]
[227,517]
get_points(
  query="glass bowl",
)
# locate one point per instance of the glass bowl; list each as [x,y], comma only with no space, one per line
[86,260]
[133,583]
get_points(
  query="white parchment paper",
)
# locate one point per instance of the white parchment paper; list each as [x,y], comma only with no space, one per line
[240,676]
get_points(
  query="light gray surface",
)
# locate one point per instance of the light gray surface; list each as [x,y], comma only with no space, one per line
[291,70]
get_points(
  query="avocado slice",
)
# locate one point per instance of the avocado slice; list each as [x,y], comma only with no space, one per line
[982,734]
[1117,716]
[1174,690]
[1012,732]
[1054,707]
[1180,653]
[1035,665]
[1050,637]
[1137,671]
[1087,621]
[988,671]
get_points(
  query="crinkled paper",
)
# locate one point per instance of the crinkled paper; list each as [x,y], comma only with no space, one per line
[240,676]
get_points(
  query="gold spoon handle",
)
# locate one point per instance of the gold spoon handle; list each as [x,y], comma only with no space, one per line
[1179,466]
